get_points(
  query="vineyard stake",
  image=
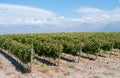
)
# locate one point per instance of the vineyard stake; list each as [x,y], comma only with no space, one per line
[111,50]
[80,53]
[60,51]
[31,64]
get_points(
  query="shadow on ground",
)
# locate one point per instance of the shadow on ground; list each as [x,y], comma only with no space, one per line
[67,59]
[44,61]
[17,65]
[86,57]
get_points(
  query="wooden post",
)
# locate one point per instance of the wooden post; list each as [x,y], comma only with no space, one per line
[111,49]
[31,65]
[80,52]
[96,56]
[60,51]
[99,49]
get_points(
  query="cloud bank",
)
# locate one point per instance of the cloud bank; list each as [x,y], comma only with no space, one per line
[24,19]
[15,14]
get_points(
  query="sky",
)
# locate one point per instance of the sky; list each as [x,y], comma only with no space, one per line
[38,16]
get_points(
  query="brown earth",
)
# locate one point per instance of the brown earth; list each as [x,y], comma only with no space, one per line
[103,67]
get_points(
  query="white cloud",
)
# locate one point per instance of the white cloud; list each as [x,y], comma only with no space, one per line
[25,10]
[89,10]
[29,19]
[15,14]
[99,17]
[94,14]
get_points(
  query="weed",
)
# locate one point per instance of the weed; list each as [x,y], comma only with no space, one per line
[70,65]
[9,73]
[45,69]
[0,66]
[35,62]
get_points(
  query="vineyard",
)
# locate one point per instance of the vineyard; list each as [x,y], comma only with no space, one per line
[53,45]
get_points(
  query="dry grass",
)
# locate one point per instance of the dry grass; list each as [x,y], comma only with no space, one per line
[0,66]
[9,73]
[45,69]
[71,65]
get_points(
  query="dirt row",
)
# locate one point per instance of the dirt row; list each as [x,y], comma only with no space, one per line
[103,67]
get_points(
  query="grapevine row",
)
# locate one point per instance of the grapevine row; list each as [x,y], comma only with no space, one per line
[48,45]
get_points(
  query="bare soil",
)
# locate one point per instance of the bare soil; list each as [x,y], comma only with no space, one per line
[103,67]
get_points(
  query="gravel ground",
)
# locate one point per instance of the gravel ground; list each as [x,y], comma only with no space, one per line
[100,68]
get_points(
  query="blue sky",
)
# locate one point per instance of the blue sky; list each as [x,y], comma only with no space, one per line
[66,7]
[27,16]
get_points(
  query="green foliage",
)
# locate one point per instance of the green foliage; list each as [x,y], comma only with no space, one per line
[45,69]
[19,50]
[117,44]
[106,46]
[48,45]
[70,48]
[91,48]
